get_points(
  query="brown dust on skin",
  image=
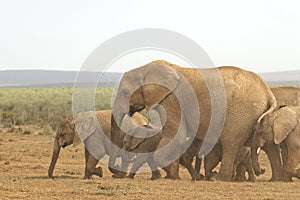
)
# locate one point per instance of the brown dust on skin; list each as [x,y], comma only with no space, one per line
[24,161]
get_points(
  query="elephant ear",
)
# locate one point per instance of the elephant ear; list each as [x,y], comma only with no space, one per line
[159,81]
[85,123]
[76,138]
[285,121]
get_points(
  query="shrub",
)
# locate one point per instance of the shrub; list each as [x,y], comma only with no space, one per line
[45,107]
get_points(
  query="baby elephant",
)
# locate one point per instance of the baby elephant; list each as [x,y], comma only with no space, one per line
[280,126]
[67,134]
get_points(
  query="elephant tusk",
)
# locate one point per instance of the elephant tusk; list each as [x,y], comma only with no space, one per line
[258,150]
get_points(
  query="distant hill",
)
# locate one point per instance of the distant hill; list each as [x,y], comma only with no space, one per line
[52,78]
[282,78]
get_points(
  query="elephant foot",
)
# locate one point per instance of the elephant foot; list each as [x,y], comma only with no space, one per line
[87,177]
[198,177]
[281,179]
[173,177]
[220,177]
[131,176]
[116,169]
[119,175]
[155,175]
[252,179]
[240,178]
[209,175]
[98,171]
[51,176]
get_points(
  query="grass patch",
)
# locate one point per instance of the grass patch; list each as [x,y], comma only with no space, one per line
[108,190]
[43,107]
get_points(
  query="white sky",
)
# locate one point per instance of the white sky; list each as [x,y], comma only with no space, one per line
[59,34]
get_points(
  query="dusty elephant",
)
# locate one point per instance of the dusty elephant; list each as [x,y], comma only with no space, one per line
[281,126]
[67,134]
[247,97]
[289,96]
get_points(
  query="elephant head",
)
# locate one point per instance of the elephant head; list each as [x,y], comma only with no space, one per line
[273,128]
[143,87]
[65,136]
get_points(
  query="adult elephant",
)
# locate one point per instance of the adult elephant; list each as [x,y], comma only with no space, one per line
[248,100]
[288,96]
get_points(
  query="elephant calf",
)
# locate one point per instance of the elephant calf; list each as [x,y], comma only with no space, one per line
[67,134]
[280,126]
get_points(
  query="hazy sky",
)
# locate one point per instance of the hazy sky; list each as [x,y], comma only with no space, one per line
[59,34]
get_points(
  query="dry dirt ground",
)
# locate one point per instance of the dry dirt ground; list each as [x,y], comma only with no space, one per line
[24,161]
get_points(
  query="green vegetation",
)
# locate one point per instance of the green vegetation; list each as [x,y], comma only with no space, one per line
[44,107]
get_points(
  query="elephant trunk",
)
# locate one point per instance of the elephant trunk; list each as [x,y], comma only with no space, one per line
[255,164]
[56,150]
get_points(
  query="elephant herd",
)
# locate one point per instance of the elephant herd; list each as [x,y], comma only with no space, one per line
[223,114]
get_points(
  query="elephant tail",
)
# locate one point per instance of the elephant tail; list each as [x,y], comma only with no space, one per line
[272,102]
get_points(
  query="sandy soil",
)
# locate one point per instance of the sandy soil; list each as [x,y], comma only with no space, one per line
[24,161]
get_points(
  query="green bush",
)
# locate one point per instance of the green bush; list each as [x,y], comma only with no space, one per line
[45,107]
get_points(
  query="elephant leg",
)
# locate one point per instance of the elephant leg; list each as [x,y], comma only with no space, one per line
[249,169]
[137,164]
[154,169]
[278,171]
[240,165]
[292,162]
[198,164]
[230,150]
[186,160]
[240,173]
[91,167]
[161,158]
[210,162]
[86,157]
[123,171]
[172,170]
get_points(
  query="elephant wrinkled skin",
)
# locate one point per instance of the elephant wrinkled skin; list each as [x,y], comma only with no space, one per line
[289,96]
[248,99]
[67,134]
[282,125]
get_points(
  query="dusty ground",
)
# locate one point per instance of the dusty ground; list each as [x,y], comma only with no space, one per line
[24,161]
